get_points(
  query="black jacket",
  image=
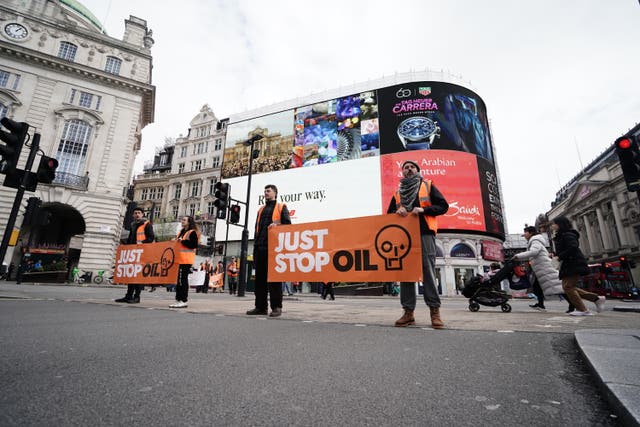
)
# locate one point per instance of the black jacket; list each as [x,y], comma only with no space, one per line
[191,242]
[266,218]
[148,232]
[439,206]
[568,251]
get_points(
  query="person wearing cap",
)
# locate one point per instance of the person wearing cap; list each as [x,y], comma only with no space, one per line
[420,197]
[232,276]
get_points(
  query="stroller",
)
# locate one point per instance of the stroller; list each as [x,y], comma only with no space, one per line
[487,292]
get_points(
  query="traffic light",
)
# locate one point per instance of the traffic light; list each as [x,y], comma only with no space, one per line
[14,139]
[47,170]
[33,205]
[222,199]
[629,155]
[623,262]
[234,217]
[219,249]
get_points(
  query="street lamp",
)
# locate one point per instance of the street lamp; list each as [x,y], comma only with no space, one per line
[242,282]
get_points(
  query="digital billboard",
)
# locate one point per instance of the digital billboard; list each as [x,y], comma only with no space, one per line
[341,158]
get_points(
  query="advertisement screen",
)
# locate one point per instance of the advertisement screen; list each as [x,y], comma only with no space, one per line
[341,158]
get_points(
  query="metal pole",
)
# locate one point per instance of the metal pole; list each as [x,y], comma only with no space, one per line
[35,146]
[242,282]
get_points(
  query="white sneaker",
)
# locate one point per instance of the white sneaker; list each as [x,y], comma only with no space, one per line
[600,304]
[581,313]
[178,304]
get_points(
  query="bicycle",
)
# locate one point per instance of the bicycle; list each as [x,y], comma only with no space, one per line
[101,277]
[77,276]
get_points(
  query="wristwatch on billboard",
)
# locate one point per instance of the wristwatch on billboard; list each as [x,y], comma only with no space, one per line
[418,133]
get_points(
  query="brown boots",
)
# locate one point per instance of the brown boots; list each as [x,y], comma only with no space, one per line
[436,322]
[406,319]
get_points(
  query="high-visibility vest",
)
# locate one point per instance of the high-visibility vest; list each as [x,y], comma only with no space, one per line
[425,202]
[140,236]
[185,255]
[231,267]
[275,217]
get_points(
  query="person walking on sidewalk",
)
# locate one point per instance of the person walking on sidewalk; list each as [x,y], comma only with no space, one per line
[546,280]
[141,231]
[573,265]
[269,215]
[420,197]
[189,238]
[232,276]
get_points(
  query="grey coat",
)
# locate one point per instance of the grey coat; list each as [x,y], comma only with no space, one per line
[540,261]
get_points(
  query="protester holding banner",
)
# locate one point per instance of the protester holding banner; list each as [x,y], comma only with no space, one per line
[416,196]
[232,276]
[207,267]
[186,256]
[269,215]
[219,270]
[141,231]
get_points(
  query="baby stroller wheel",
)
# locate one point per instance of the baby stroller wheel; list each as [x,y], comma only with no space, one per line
[506,308]
[474,306]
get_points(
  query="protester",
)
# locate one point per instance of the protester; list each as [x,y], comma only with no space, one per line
[573,265]
[416,196]
[189,238]
[327,290]
[269,215]
[207,267]
[232,276]
[141,231]
[220,283]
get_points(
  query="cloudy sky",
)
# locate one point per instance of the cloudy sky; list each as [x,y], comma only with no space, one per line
[559,78]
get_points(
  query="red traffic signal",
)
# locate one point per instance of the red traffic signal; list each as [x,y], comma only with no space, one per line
[629,156]
[234,216]
[623,143]
[47,170]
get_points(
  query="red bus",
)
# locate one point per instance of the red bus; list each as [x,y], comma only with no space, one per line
[608,279]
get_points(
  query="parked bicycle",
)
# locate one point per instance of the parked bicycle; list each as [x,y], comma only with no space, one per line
[77,275]
[101,277]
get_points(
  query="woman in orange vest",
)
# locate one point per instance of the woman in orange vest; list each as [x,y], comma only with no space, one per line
[186,256]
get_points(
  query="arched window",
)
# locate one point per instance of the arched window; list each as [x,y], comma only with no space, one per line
[113,65]
[462,250]
[72,151]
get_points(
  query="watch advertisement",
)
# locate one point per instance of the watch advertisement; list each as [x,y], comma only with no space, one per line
[433,116]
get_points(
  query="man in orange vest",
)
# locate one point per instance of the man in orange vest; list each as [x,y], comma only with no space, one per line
[232,276]
[269,215]
[420,197]
[141,231]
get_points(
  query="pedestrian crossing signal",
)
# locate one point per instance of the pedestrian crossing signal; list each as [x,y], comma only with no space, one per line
[47,170]
[234,216]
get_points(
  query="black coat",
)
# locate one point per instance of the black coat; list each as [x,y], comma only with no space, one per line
[568,251]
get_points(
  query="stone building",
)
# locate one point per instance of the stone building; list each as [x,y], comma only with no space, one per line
[89,95]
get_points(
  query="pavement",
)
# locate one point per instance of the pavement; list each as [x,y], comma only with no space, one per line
[609,341]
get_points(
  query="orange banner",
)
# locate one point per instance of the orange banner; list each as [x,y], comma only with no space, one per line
[383,248]
[147,263]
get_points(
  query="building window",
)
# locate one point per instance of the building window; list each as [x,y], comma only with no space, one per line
[193,209]
[218,144]
[152,193]
[177,191]
[3,110]
[4,78]
[200,148]
[156,212]
[160,193]
[113,65]
[195,189]
[212,185]
[180,167]
[174,211]
[85,99]
[196,165]
[462,250]
[72,151]
[67,51]
[211,209]
[216,162]
[183,151]
[144,195]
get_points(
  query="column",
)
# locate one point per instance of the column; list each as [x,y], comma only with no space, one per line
[616,216]
[604,231]
[591,243]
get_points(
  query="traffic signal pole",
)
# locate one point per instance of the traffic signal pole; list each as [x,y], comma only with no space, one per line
[11,222]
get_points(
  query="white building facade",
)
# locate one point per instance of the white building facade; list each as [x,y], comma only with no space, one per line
[89,95]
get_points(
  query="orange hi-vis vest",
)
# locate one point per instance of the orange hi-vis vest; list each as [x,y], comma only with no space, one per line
[140,236]
[275,217]
[425,201]
[185,255]
[230,269]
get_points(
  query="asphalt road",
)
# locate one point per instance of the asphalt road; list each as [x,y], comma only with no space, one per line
[85,363]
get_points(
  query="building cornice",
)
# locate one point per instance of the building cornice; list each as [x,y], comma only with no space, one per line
[147,91]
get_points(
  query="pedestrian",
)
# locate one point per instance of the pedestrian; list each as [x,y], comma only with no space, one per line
[286,286]
[188,237]
[573,264]
[546,281]
[328,290]
[232,276]
[220,283]
[270,215]
[207,268]
[416,196]
[141,231]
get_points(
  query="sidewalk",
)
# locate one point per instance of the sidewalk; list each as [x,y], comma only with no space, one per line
[612,352]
